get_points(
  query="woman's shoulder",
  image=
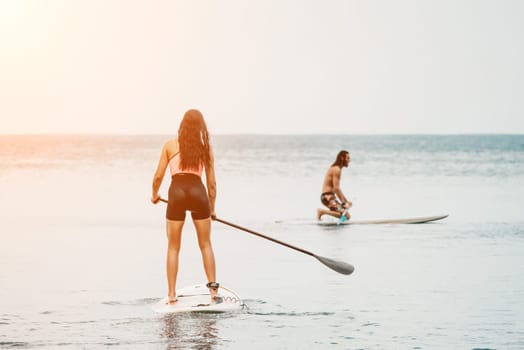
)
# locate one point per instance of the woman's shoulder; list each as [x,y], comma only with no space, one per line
[171,142]
[171,146]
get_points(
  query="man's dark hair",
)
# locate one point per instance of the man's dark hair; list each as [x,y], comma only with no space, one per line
[340,159]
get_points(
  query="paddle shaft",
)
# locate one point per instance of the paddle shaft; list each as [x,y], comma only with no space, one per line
[265,237]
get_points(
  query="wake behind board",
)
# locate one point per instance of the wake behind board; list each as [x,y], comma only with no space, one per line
[418,220]
[197,299]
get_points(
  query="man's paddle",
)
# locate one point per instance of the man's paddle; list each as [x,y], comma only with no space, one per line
[338,266]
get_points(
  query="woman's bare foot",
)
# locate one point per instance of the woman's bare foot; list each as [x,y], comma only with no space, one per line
[319,214]
[171,300]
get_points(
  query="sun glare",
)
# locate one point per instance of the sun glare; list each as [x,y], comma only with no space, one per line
[12,22]
[17,15]
[8,10]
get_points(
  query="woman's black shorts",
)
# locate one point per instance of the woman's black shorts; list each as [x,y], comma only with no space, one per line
[187,193]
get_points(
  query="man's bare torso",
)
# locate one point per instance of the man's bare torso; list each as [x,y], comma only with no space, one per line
[328,185]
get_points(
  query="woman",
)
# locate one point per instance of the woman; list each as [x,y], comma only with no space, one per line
[186,157]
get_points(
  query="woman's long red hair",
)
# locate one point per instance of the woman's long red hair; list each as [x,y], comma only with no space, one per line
[193,140]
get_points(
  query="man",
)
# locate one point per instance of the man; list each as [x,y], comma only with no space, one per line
[332,196]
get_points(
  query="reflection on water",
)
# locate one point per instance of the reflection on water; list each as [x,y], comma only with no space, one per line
[197,331]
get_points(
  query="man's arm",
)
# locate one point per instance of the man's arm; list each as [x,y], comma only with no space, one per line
[336,185]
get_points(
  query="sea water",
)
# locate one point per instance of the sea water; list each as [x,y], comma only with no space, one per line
[82,249]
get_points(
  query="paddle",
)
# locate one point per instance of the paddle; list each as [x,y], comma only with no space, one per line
[338,266]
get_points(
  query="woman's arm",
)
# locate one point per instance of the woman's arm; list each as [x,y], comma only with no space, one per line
[211,183]
[159,174]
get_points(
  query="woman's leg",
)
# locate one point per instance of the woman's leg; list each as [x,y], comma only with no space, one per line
[174,235]
[203,229]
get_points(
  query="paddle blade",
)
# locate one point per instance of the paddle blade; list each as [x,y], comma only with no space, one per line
[339,266]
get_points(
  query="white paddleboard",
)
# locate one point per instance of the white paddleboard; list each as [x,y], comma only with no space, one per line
[418,220]
[197,299]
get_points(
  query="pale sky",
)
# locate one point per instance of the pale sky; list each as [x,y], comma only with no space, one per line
[261,66]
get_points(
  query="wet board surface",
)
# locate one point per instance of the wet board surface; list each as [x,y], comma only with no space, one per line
[196,298]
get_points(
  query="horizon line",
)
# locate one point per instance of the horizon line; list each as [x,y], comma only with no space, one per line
[265,134]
